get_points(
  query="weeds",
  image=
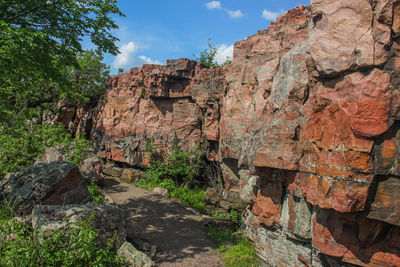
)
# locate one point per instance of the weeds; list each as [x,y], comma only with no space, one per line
[235,249]
[95,192]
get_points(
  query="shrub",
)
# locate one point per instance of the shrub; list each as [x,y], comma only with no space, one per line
[20,246]
[207,56]
[21,145]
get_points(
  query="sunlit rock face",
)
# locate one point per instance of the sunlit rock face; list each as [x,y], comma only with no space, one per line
[304,123]
[163,105]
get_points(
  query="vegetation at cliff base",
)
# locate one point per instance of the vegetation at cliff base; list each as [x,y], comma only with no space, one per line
[177,172]
[43,67]
[20,146]
[235,249]
[23,246]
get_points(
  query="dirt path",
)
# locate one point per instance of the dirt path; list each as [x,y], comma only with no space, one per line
[179,235]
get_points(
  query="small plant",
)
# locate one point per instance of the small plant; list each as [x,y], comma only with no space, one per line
[247,57]
[143,92]
[95,192]
[133,133]
[120,71]
[207,56]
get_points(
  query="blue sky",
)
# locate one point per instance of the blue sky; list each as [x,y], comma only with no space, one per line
[157,30]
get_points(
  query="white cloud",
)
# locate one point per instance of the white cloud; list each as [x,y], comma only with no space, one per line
[147,60]
[217,5]
[223,54]
[213,5]
[269,15]
[127,57]
[235,13]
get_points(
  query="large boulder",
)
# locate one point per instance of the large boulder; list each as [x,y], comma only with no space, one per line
[54,183]
[108,220]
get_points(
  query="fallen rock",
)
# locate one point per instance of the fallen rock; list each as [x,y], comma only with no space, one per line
[55,153]
[55,183]
[91,166]
[108,220]
[134,257]
[160,190]
[112,169]
[132,175]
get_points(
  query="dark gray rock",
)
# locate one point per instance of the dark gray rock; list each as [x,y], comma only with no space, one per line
[53,183]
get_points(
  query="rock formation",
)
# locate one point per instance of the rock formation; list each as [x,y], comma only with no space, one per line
[55,183]
[304,123]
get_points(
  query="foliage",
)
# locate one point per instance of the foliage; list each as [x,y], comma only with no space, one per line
[207,56]
[95,192]
[192,197]
[183,167]
[19,147]
[175,171]
[223,235]
[234,215]
[235,249]
[40,51]
[75,149]
[20,245]
[240,255]
[87,79]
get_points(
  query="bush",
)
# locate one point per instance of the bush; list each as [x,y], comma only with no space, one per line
[175,171]
[21,145]
[20,246]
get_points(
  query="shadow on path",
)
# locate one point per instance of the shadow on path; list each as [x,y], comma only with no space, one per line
[179,235]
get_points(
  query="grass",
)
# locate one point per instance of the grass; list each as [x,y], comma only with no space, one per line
[235,249]
[192,197]
[241,255]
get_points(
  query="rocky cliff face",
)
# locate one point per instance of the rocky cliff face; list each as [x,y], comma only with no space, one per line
[304,122]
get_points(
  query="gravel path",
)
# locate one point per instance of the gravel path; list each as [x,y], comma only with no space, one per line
[158,220]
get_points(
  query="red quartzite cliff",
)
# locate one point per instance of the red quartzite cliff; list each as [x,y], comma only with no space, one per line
[305,123]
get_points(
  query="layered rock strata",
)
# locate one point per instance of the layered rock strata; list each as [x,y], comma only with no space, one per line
[304,123]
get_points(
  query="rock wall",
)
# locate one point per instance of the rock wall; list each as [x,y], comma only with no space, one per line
[304,122]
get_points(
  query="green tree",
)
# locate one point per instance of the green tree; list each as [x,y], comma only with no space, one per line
[42,63]
[88,78]
[207,56]
[40,41]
